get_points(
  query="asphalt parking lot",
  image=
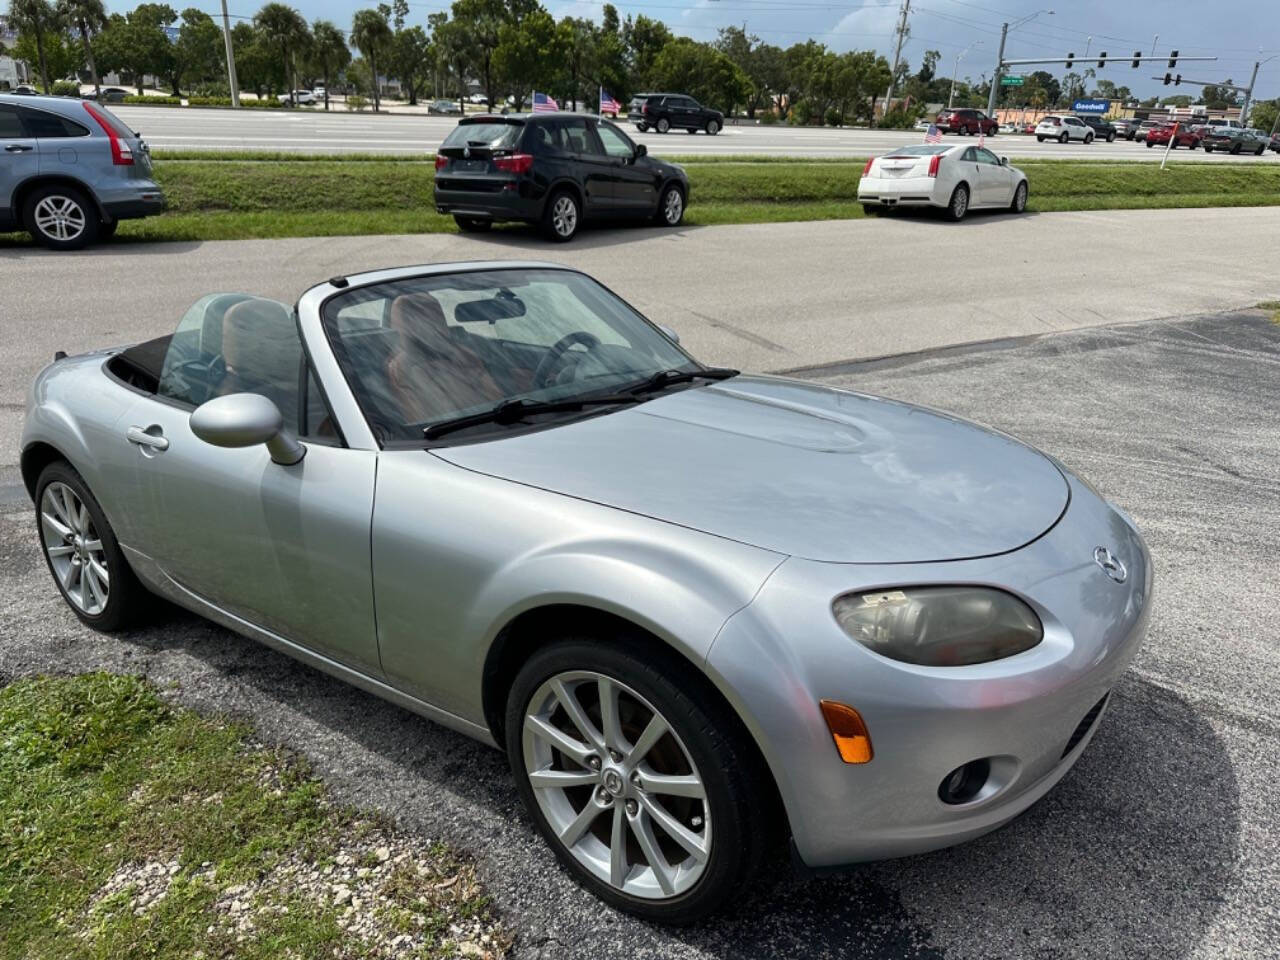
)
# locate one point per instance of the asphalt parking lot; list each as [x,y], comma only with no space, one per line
[1161,843]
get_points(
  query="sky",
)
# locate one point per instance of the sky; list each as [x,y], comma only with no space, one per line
[1228,29]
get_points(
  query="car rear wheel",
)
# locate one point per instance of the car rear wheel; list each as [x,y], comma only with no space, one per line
[1066,137]
[634,778]
[473,224]
[642,127]
[60,218]
[959,204]
[663,125]
[671,206]
[1235,150]
[562,217]
[713,127]
[1149,144]
[1020,198]
[1040,139]
[82,553]
[965,132]
[1208,149]
[1258,152]
[1111,138]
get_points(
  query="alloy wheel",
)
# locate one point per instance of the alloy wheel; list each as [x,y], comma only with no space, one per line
[59,217]
[617,785]
[74,548]
[673,208]
[959,203]
[1020,198]
[564,216]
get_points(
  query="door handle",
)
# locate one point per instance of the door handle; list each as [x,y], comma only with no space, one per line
[143,439]
[17,148]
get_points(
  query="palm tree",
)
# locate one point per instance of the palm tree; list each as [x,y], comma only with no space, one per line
[38,17]
[370,32]
[329,49]
[88,16]
[282,26]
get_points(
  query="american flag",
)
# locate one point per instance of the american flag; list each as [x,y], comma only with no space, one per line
[544,103]
[608,104]
[933,135]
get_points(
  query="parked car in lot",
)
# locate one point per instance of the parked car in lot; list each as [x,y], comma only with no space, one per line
[1126,127]
[1064,127]
[668,111]
[705,614]
[1233,140]
[555,170]
[113,95]
[70,171]
[956,179]
[1160,136]
[301,98]
[1145,127]
[444,108]
[966,121]
[1102,128]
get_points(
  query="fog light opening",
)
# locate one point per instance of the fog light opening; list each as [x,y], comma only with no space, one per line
[964,783]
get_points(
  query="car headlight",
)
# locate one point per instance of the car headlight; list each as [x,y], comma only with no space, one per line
[940,626]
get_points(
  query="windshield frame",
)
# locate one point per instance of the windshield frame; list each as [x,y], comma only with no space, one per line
[544,421]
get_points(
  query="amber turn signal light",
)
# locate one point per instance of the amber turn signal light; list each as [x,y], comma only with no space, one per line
[848,731]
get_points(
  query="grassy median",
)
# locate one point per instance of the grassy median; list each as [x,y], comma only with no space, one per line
[273,195]
[132,829]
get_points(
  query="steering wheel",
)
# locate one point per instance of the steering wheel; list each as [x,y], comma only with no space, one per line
[551,362]
[202,375]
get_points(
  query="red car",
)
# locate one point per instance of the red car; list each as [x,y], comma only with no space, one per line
[966,121]
[1187,136]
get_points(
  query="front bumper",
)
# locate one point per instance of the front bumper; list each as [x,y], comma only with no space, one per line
[784,653]
[899,191]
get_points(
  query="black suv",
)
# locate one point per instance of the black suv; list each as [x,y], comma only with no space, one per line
[1102,129]
[553,169]
[662,111]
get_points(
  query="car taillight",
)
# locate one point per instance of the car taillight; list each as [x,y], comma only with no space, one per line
[516,163]
[121,152]
[934,162]
[441,162]
[645,108]
[867,168]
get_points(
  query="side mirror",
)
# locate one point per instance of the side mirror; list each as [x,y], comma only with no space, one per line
[641,150]
[246,420]
[1004,161]
[669,333]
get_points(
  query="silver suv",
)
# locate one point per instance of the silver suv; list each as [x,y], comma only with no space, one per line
[70,171]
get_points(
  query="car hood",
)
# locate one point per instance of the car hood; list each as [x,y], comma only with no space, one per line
[795,468]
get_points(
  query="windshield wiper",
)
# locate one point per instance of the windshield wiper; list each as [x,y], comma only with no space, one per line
[665,378]
[513,411]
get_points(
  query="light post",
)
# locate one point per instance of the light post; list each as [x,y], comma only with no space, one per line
[956,69]
[995,77]
[1248,96]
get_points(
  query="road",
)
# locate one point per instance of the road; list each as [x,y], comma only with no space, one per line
[313,131]
[1160,845]
[761,297]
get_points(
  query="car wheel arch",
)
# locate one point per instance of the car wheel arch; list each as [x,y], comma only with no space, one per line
[30,185]
[561,185]
[34,458]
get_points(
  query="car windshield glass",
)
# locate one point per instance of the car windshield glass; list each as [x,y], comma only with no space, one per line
[426,350]
[493,134]
[919,150]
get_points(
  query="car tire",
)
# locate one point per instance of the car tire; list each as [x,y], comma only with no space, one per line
[562,216]
[1235,150]
[663,125]
[642,127]
[1088,138]
[958,205]
[1148,143]
[60,217]
[1208,149]
[1039,139]
[965,132]
[473,224]
[670,210]
[702,745]
[69,522]
[1111,138]
[1258,152]
[713,127]
[1065,138]
[1019,204]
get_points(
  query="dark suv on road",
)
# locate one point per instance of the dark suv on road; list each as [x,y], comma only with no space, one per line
[555,170]
[664,111]
[1102,129]
[965,121]
[70,171]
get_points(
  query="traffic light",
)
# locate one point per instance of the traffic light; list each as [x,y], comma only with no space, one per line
[1168,79]
[1177,81]
[1173,59]
[1102,59]
[1070,59]
[1137,61]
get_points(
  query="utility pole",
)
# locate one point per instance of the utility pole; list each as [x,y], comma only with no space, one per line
[231,57]
[1154,41]
[1248,94]
[995,77]
[897,52]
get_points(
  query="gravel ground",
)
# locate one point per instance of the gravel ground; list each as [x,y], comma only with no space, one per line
[1162,842]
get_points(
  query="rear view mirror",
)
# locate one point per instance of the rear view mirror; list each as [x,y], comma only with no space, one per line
[641,150]
[246,420]
[490,310]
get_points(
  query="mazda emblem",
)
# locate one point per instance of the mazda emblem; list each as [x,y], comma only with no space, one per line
[1111,565]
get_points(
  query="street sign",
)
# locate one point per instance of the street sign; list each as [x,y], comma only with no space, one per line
[1091,106]
[1011,81]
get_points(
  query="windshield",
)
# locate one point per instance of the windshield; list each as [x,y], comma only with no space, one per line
[426,350]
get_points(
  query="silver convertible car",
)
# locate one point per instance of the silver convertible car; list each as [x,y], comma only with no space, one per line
[705,614]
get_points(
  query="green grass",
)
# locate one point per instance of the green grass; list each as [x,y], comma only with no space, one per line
[255,194]
[109,797]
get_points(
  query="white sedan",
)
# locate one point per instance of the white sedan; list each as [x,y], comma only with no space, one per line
[954,178]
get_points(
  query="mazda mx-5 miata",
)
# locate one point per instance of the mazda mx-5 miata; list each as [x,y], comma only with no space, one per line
[704,613]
